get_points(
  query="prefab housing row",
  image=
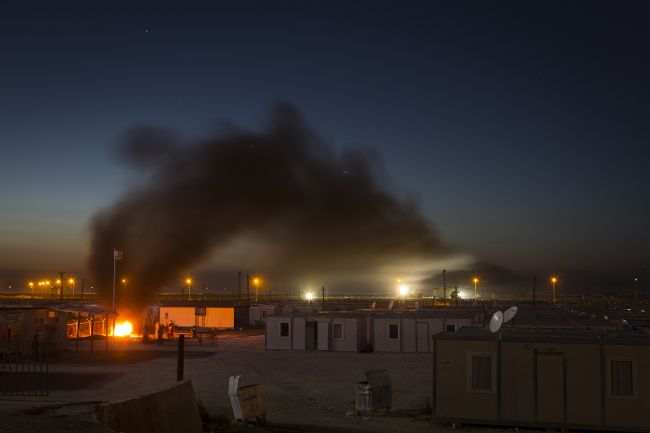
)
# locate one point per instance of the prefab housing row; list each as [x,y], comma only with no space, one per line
[408,331]
[559,379]
[21,327]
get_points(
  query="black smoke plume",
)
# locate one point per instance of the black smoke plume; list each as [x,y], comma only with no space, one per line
[280,199]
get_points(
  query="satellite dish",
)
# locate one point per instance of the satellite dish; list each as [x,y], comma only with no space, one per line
[510,313]
[373,306]
[496,321]
[390,305]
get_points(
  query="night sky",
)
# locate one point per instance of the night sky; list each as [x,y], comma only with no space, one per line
[520,128]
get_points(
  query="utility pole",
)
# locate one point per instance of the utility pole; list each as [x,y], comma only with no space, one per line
[61,274]
[444,284]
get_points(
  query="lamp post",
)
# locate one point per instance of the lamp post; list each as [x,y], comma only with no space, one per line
[188,281]
[636,289]
[475,281]
[71,282]
[256,283]
[553,283]
[31,286]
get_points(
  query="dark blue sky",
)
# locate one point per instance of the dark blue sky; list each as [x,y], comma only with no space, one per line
[523,128]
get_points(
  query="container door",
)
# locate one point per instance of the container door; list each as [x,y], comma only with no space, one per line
[323,336]
[422,337]
[550,388]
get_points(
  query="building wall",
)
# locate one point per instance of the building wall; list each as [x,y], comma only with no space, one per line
[581,374]
[453,397]
[583,381]
[220,318]
[381,341]
[408,335]
[273,339]
[257,313]
[182,316]
[298,333]
[186,316]
[350,340]
[629,411]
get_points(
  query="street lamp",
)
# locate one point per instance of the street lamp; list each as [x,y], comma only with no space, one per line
[256,283]
[71,282]
[188,281]
[31,286]
[553,282]
[475,281]
[309,296]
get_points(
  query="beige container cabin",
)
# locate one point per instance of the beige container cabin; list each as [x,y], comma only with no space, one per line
[557,379]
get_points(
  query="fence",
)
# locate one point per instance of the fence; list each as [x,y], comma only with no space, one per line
[25,376]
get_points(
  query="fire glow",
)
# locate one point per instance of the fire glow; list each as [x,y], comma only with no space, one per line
[123,329]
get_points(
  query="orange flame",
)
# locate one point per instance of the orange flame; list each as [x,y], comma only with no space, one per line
[123,329]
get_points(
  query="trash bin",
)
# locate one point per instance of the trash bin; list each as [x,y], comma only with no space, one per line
[375,393]
[246,401]
[363,397]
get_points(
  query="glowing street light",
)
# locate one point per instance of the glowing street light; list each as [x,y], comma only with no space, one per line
[309,296]
[31,286]
[403,290]
[188,281]
[553,283]
[256,283]
[71,281]
[475,281]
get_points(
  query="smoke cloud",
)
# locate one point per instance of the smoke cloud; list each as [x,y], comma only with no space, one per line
[278,200]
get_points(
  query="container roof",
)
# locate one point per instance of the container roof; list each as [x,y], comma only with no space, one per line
[594,336]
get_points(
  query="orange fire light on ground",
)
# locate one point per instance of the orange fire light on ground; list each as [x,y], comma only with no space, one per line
[123,329]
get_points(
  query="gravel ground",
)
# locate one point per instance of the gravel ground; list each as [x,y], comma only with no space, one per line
[302,391]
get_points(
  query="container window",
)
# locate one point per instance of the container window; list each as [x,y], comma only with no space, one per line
[622,384]
[481,373]
[393,331]
[284,329]
[337,330]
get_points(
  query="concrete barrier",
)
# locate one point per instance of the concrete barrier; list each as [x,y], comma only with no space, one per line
[170,411]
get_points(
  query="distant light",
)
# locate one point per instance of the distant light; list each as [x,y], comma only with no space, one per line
[58,281]
[309,296]
[256,281]
[71,281]
[188,280]
[475,280]
[123,280]
[403,290]
[31,284]
[553,280]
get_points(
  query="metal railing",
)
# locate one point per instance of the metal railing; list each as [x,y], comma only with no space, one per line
[25,375]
